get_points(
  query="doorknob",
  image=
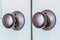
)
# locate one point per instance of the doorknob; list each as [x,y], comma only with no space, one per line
[16,20]
[8,20]
[45,19]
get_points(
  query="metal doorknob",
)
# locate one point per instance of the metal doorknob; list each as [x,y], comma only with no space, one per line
[45,19]
[16,20]
[8,20]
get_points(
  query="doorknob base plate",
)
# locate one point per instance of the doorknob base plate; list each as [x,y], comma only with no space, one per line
[51,19]
[19,20]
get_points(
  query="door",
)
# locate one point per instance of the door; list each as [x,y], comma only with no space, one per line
[9,6]
[39,33]
[0,9]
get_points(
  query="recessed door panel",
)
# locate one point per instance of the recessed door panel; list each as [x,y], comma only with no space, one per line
[54,33]
[0,9]
[9,6]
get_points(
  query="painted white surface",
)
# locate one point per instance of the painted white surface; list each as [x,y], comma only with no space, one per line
[0,9]
[8,6]
[40,5]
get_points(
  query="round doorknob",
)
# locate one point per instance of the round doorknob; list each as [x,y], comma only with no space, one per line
[8,20]
[45,19]
[19,20]
[16,20]
[39,20]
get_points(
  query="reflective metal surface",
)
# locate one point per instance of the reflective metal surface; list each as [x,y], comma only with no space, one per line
[16,20]
[51,19]
[45,19]
[19,20]
[39,20]
[8,20]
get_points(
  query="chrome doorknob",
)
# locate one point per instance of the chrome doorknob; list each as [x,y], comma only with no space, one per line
[45,19]
[16,20]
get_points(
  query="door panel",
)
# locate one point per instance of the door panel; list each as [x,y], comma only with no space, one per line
[0,9]
[9,6]
[39,6]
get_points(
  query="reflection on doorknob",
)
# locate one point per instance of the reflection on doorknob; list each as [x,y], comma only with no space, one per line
[16,20]
[45,19]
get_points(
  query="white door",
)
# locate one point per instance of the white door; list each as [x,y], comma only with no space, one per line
[53,34]
[0,9]
[8,6]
